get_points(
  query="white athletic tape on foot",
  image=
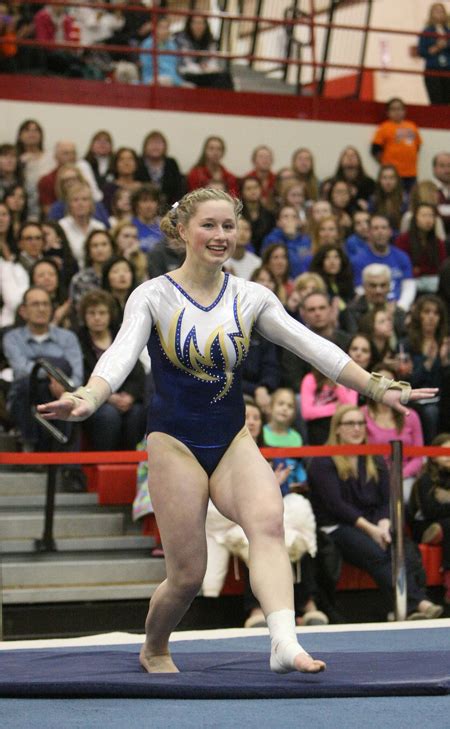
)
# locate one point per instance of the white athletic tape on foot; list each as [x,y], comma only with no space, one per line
[285,647]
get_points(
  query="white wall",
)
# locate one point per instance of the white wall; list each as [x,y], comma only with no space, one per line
[383,49]
[186,132]
[395,49]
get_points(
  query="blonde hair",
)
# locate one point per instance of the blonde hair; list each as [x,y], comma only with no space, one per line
[186,208]
[60,190]
[423,192]
[280,391]
[315,230]
[77,187]
[309,280]
[344,465]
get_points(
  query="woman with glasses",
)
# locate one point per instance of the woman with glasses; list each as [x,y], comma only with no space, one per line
[350,498]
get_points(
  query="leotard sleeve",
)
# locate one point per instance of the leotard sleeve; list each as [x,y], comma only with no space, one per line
[119,359]
[274,323]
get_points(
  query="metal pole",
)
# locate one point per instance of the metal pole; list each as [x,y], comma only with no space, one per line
[255,31]
[363,51]
[397,521]
[47,543]
[321,86]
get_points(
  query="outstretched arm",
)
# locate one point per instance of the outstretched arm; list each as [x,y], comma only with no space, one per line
[352,375]
[77,405]
[276,325]
[113,366]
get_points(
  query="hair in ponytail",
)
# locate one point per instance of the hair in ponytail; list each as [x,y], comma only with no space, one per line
[182,211]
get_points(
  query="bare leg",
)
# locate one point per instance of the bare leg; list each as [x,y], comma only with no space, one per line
[179,491]
[244,489]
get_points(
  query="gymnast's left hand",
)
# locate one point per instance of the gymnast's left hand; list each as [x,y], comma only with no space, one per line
[392,398]
[65,409]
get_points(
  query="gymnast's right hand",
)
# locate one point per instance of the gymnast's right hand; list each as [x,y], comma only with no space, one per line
[68,407]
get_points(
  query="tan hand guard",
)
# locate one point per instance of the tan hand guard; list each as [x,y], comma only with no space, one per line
[378,385]
[81,393]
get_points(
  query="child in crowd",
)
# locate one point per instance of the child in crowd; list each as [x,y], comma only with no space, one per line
[278,433]
[397,142]
[286,232]
[243,262]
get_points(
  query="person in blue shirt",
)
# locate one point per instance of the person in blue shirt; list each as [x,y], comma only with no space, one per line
[436,52]
[23,346]
[357,240]
[166,65]
[298,246]
[379,250]
[145,203]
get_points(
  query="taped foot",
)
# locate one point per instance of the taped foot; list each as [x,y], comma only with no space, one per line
[157,664]
[288,656]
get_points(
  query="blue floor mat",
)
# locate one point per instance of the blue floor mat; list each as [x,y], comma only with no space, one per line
[113,673]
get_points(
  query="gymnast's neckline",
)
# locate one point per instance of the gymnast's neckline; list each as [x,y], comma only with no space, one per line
[193,301]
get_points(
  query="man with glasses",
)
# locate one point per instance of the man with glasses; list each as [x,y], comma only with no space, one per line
[30,242]
[22,347]
[376,281]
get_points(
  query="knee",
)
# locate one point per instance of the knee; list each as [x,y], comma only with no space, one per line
[188,581]
[267,524]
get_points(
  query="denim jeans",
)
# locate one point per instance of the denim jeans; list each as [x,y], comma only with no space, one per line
[359,549]
[110,430]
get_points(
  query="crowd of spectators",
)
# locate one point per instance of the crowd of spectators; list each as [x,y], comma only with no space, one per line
[349,256]
[363,262]
[123,41]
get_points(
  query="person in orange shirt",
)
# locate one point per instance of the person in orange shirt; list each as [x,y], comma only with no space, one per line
[397,142]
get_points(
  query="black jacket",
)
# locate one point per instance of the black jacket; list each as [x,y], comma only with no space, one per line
[172,185]
[134,385]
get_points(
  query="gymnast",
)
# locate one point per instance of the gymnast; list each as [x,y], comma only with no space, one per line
[196,323]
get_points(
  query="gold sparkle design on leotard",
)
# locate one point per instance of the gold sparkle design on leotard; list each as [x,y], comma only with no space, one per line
[189,358]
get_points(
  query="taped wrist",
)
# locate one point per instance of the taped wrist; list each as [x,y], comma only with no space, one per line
[83,393]
[379,384]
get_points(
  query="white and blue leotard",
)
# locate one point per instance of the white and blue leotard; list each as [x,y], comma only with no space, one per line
[196,352]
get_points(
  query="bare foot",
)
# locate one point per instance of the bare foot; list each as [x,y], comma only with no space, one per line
[307,664]
[157,664]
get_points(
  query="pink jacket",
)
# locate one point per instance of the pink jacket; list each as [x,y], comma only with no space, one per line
[411,434]
[323,404]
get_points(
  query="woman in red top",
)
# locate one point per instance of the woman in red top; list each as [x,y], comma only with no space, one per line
[209,168]
[426,250]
